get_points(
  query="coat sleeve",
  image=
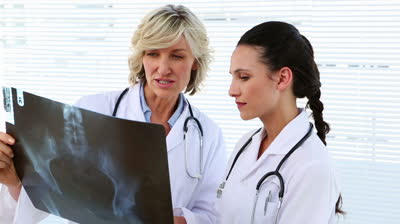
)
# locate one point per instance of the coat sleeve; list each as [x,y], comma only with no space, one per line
[21,212]
[7,206]
[203,211]
[99,103]
[311,196]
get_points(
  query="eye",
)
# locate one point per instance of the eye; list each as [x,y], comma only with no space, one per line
[244,77]
[176,56]
[151,54]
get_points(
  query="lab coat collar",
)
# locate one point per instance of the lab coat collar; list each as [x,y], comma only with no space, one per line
[134,109]
[175,135]
[292,133]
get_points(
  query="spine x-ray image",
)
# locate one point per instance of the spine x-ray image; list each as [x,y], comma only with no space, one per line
[88,167]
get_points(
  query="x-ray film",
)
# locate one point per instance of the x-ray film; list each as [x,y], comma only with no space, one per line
[88,167]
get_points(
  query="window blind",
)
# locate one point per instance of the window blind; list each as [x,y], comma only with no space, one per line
[66,49]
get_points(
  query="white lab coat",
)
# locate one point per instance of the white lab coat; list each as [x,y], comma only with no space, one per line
[311,189]
[191,198]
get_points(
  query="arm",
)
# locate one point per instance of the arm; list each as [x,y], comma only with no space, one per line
[311,195]
[8,174]
[14,202]
[203,211]
[7,205]
[11,185]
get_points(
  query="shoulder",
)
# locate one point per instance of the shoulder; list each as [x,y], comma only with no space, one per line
[209,126]
[313,164]
[314,151]
[244,138]
[213,138]
[100,102]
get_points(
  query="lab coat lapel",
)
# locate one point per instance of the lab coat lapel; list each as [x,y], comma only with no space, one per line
[291,134]
[175,136]
[133,110]
[248,159]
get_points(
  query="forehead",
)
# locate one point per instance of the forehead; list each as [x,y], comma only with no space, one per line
[246,57]
[180,44]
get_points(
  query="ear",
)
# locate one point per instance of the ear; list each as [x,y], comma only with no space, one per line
[195,65]
[285,78]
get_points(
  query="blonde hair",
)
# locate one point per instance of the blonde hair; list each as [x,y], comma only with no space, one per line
[162,28]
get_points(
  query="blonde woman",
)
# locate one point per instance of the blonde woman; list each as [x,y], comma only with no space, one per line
[170,57]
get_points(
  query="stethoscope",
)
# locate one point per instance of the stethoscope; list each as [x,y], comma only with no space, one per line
[269,174]
[198,127]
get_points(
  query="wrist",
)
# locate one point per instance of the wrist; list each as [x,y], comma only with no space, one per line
[179,220]
[16,184]
[15,190]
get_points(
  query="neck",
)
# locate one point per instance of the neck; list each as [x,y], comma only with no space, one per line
[274,123]
[161,107]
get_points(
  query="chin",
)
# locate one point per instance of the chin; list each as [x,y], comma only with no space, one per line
[166,93]
[246,117]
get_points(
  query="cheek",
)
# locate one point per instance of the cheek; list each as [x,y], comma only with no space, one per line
[260,95]
[146,66]
[256,90]
[185,71]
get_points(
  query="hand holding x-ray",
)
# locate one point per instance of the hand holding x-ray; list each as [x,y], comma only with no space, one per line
[8,174]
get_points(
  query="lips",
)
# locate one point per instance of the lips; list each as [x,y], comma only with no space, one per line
[240,104]
[164,83]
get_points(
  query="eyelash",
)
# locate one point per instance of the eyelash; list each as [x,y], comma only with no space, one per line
[151,54]
[177,56]
[244,78]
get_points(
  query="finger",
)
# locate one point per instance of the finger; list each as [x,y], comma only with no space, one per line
[5,159]
[6,150]
[6,138]
[3,164]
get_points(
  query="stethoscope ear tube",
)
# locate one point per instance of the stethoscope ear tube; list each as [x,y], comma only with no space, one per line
[185,126]
[240,152]
[276,172]
[119,101]
[199,176]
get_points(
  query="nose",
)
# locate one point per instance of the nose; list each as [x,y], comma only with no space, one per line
[233,89]
[164,67]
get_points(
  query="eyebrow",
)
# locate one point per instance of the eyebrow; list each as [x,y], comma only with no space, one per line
[180,49]
[175,50]
[240,70]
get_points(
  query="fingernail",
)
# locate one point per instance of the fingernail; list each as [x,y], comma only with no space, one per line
[10,140]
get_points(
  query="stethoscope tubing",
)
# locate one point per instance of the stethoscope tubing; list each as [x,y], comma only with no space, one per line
[269,174]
